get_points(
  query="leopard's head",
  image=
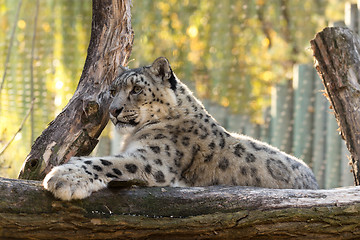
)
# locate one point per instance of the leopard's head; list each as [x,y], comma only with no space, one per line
[142,95]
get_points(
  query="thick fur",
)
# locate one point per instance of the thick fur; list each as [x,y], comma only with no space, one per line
[171,140]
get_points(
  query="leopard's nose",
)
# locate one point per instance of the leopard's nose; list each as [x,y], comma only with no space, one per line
[116,111]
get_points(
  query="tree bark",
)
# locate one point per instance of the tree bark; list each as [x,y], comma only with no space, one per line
[336,51]
[27,211]
[75,130]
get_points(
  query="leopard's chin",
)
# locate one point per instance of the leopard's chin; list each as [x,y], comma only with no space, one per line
[124,127]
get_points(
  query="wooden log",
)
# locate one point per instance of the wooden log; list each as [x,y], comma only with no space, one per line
[27,211]
[336,51]
[75,130]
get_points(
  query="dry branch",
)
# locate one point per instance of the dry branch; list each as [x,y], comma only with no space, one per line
[336,51]
[75,130]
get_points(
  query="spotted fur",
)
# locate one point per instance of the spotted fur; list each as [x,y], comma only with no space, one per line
[171,140]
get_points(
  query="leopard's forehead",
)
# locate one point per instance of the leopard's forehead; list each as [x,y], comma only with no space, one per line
[131,77]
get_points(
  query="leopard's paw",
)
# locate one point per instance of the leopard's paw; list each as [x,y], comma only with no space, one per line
[69,182]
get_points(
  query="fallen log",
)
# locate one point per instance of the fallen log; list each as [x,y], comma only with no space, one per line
[27,211]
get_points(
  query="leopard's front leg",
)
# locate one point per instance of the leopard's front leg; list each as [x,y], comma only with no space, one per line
[81,176]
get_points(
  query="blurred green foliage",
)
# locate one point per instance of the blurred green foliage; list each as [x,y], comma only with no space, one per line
[229,51]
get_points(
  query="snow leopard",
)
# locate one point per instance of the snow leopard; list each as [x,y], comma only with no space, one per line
[171,140]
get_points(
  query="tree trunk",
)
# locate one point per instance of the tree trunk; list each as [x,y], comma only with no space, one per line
[336,51]
[27,211]
[75,130]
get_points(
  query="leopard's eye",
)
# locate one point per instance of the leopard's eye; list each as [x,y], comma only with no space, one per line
[136,90]
[112,92]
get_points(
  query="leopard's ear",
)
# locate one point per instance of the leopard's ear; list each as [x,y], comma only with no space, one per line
[161,68]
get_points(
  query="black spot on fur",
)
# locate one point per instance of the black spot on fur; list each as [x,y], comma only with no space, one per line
[178,157]
[144,136]
[182,90]
[250,158]
[159,177]
[96,176]
[278,170]
[88,162]
[168,153]
[262,148]
[158,162]
[204,132]
[131,168]
[289,160]
[88,172]
[97,168]
[239,150]
[117,171]
[243,171]
[255,146]
[110,175]
[155,149]
[209,157]
[224,164]
[174,138]
[105,162]
[212,145]
[296,165]
[160,136]
[185,141]
[222,141]
[179,102]
[148,169]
